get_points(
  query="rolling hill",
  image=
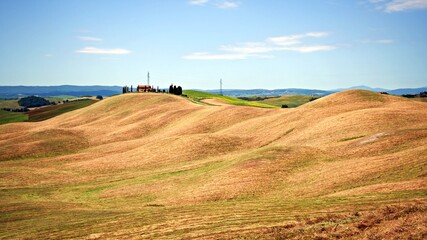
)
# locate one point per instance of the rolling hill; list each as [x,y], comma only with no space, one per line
[158,166]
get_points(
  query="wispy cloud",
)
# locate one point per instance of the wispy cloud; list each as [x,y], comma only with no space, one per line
[295,39]
[310,49]
[228,4]
[385,41]
[260,49]
[403,5]
[399,5]
[198,2]
[248,48]
[93,50]
[224,4]
[48,55]
[89,39]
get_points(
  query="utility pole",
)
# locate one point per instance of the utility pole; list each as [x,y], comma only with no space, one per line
[148,79]
[220,86]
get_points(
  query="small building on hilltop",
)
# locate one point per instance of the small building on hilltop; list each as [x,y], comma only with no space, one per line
[145,88]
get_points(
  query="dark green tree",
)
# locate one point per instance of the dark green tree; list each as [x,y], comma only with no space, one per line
[33,101]
[179,90]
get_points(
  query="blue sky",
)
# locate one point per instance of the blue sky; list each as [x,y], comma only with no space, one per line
[322,44]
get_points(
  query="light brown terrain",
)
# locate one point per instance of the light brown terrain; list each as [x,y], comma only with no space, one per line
[159,166]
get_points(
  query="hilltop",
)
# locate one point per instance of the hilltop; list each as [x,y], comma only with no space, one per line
[160,166]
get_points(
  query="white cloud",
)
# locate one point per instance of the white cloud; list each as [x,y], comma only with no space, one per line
[399,5]
[286,40]
[248,48]
[224,4]
[92,50]
[403,5]
[310,49]
[317,34]
[259,49]
[89,39]
[48,55]
[228,4]
[295,39]
[198,2]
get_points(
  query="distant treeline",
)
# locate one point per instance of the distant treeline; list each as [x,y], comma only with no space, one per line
[6,98]
[421,94]
[24,109]
[257,98]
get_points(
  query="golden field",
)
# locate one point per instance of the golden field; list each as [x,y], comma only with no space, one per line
[157,166]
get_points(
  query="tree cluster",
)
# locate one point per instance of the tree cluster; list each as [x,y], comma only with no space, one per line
[125,89]
[33,101]
[175,90]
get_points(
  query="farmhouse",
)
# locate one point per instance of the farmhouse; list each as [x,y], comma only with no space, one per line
[145,88]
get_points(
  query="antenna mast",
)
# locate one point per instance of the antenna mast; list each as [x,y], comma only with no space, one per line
[148,79]
[220,86]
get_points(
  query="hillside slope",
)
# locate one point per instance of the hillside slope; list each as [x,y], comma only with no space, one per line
[160,166]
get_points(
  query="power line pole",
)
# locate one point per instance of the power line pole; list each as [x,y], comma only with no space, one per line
[220,86]
[148,79]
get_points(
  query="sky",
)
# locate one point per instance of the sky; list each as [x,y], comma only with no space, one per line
[270,44]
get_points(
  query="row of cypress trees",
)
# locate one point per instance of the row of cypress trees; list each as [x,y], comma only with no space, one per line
[175,90]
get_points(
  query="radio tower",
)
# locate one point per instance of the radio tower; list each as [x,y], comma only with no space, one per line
[148,79]
[220,86]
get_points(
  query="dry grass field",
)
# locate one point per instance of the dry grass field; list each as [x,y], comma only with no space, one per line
[155,166]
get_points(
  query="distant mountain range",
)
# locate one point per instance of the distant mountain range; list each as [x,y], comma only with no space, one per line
[399,91]
[275,92]
[315,92]
[71,90]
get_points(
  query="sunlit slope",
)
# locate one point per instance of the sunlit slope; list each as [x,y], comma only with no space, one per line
[151,164]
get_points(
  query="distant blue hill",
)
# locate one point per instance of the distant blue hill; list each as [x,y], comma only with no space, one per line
[45,91]
[275,92]
[402,91]
[315,92]
[71,90]
[362,87]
